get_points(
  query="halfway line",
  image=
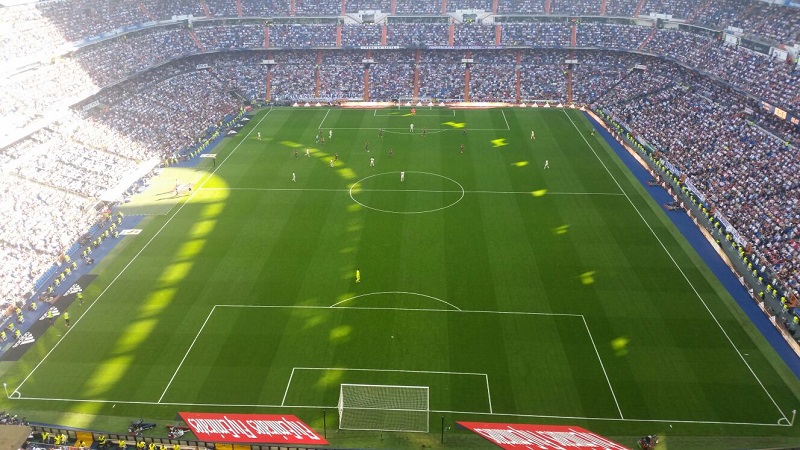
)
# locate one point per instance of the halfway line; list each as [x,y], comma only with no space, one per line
[610,194]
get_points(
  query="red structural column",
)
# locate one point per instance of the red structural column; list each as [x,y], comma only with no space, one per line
[269,82]
[316,74]
[639,8]
[417,58]
[466,80]
[519,76]
[366,77]
[451,34]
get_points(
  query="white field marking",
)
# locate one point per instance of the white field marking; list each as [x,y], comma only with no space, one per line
[495,414]
[504,118]
[617,419]
[677,266]
[348,369]
[288,383]
[136,256]
[407,212]
[438,372]
[185,355]
[438,191]
[429,129]
[489,393]
[375,308]
[602,366]
[323,119]
[375,114]
[436,131]
[397,292]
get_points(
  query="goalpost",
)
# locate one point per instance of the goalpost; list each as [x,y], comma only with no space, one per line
[384,407]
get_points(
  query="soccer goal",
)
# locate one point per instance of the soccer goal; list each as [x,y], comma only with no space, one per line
[384,407]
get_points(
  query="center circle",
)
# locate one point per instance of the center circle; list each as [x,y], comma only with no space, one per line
[427,192]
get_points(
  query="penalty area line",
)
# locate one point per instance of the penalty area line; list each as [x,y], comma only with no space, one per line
[323,119]
[185,355]
[508,128]
[602,366]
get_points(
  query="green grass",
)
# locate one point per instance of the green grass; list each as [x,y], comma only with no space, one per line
[517,293]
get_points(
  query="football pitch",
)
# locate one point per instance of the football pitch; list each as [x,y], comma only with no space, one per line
[519,279]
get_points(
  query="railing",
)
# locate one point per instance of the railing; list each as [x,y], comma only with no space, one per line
[112,442]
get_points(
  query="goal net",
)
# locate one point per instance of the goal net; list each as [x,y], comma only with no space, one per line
[383,407]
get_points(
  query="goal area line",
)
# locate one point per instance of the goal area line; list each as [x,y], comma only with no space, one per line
[419,372]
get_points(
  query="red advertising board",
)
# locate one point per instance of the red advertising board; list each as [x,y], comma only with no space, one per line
[525,436]
[251,428]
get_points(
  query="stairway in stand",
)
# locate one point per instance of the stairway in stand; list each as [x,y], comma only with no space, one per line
[196,41]
[206,11]
[639,8]
[648,39]
[146,12]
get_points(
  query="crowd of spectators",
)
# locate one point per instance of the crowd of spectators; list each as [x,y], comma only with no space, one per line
[456,5]
[114,59]
[612,36]
[216,36]
[37,28]
[302,35]
[474,34]
[106,62]
[576,7]
[520,6]
[746,171]
[357,35]
[258,8]
[768,78]
[537,34]
[682,9]
[392,76]
[58,83]
[39,222]
[417,7]
[25,34]
[318,7]
[416,34]
[384,6]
